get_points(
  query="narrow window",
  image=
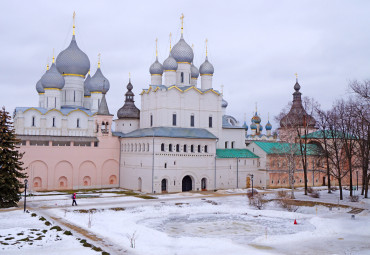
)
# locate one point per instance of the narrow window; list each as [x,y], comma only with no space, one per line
[170,147]
[192,120]
[151,120]
[174,119]
[55,102]
[198,148]
[232,145]
[165,165]
[205,148]
[192,148]
[53,121]
[182,77]
[210,121]
[177,147]
[33,121]
[74,96]
[185,149]
[78,123]
[225,145]
[162,147]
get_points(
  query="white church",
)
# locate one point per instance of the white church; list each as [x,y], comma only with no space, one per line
[181,139]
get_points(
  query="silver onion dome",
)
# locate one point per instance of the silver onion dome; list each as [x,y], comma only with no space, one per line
[182,52]
[170,64]
[86,86]
[73,60]
[39,87]
[52,79]
[206,68]
[194,71]
[224,103]
[156,67]
[98,82]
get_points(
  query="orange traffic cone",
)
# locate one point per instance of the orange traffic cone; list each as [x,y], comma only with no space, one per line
[295,222]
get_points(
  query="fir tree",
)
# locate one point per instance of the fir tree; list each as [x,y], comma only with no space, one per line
[10,163]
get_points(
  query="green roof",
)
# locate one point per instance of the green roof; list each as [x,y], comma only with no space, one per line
[235,153]
[328,134]
[173,132]
[282,148]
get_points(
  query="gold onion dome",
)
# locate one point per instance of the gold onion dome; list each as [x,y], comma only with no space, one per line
[52,79]
[73,61]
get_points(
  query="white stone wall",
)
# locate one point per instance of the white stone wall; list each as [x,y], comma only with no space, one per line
[42,100]
[185,69]
[234,136]
[156,79]
[206,81]
[52,98]
[73,91]
[95,100]
[169,78]
[194,81]
[126,125]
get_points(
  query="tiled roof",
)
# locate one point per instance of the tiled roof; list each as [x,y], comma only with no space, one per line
[235,153]
[175,132]
[283,148]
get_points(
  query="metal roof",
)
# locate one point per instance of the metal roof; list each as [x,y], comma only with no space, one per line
[235,153]
[283,148]
[174,132]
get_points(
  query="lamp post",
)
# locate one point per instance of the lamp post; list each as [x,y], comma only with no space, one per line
[252,183]
[25,193]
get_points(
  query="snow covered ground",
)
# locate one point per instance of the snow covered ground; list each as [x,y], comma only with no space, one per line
[193,223]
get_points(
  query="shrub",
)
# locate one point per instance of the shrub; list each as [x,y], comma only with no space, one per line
[310,190]
[281,194]
[67,233]
[284,201]
[42,218]
[33,215]
[355,198]
[105,253]
[257,201]
[47,223]
[57,228]
[249,193]
[315,194]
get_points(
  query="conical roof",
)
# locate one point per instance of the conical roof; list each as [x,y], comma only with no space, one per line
[103,107]
[72,60]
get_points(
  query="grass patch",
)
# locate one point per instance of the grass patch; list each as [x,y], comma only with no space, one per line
[47,223]
[33,215]
[19,234]
[27,239]
[9,238]
[96,248]
[34,229]
[145,197]
[42,218]
[39,238]
[44,231]
[3,243]
[57,228]
[67,233]
[117,209]
[261,247]
[105,253]
[87,245]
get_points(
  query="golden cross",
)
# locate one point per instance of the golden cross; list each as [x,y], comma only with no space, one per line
[53,56]
[206,47]
[99,60]
[47,66]
[74,22]
[296,75]
[182,22]
[156,47]
[170,41]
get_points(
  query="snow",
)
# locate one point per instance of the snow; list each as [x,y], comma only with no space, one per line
[201,223]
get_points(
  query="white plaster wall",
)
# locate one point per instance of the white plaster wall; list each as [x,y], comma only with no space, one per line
[156,79]
[232,135]
[87,102]
[194,81]
[206,81]
[73,91]
[42,100]
[52,98]
[169,78]
[126,125]
[95,101]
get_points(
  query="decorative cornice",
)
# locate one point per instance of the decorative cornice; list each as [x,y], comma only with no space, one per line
[52,89]
[72,74]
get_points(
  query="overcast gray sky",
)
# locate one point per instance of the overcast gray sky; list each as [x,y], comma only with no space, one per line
[255,46]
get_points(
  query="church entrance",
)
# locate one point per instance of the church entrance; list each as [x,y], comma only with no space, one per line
[187,183]
[164,186]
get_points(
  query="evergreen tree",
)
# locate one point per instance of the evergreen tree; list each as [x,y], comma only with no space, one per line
[10,163]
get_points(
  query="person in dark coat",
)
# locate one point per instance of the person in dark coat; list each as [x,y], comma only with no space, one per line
[74,199]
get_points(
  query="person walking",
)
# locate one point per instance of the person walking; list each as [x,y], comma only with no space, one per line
[74,199]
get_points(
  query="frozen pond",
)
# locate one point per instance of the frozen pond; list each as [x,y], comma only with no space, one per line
[240,228]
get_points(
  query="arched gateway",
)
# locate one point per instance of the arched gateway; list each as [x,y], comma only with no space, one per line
[187,183]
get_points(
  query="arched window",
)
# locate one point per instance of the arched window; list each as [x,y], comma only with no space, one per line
[170,147]
[210,121]
[191,148]
[135,147]
[139,146]
[199,149]
[33,121]
[53,121]
[192,120]
[78,123]
[182,77]
[147,147]
[205,148]
[177,147]
[185,148]
[204,184]
[162,147]
[151,120]
[143,146]
[165,165]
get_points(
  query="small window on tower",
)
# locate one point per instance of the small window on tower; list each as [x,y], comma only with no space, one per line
[192,120]
[182,77]
[33,121]
[53,121]
[151,120]
[210,121]
[174,119]
[78,123]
